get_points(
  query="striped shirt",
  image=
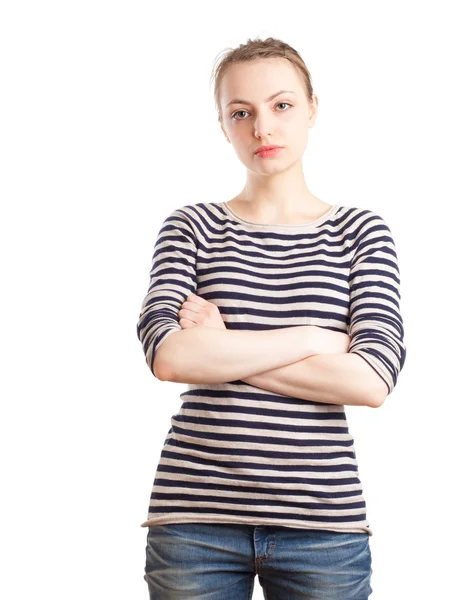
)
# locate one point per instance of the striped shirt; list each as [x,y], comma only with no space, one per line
[236,453]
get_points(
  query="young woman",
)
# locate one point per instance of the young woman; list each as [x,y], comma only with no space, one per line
[277,309]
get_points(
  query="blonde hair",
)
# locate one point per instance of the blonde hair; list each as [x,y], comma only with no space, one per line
[253,50]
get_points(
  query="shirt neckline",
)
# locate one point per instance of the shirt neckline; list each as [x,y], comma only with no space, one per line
[334,208]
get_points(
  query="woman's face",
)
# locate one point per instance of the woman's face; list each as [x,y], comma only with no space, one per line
[252,118]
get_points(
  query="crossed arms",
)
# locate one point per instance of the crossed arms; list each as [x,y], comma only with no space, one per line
[306,362]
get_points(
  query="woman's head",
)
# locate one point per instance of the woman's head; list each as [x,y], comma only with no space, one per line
[245,79]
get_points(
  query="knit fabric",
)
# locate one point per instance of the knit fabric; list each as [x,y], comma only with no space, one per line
[236,453]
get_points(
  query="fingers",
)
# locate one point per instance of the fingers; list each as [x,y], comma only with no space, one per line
[193,314]
[197,299]
[190,306]
[186,323]
[194,303]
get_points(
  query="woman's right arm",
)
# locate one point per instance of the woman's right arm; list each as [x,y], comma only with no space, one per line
[210,355]
[206,354]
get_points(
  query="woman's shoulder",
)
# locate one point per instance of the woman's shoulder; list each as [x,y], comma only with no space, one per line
[362,216]
[193,209]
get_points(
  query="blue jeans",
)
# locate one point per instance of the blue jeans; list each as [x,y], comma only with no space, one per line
[214,561]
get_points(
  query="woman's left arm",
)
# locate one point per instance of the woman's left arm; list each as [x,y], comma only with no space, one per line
[368,373]
[331,378]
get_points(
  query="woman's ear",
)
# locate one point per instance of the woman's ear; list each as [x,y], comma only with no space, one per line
[225,133]
[313,111]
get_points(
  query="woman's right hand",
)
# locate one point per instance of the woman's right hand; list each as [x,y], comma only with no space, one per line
[326,341]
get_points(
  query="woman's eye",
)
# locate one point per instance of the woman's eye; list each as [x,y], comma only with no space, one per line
[238,112]
[243,111]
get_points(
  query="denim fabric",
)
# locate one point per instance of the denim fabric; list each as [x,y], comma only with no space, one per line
[214,561]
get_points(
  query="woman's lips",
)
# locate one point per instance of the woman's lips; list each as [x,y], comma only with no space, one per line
[267,153]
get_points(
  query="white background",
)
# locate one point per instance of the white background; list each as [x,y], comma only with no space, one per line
[107,125]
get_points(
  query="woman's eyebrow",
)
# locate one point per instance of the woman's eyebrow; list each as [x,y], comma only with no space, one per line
[238,101]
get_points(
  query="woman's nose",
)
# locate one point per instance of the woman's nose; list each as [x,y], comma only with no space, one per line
[262,127]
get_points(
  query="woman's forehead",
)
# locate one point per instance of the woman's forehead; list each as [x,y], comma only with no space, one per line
[258,78]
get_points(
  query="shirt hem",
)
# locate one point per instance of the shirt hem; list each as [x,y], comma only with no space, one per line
[167,519]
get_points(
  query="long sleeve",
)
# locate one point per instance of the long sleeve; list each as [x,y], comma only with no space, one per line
[172,280]
[375,322]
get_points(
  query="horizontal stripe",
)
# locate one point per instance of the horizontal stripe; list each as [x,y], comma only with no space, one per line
[236,453]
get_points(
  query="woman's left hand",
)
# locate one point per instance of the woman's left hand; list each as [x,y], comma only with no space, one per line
[198,311]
